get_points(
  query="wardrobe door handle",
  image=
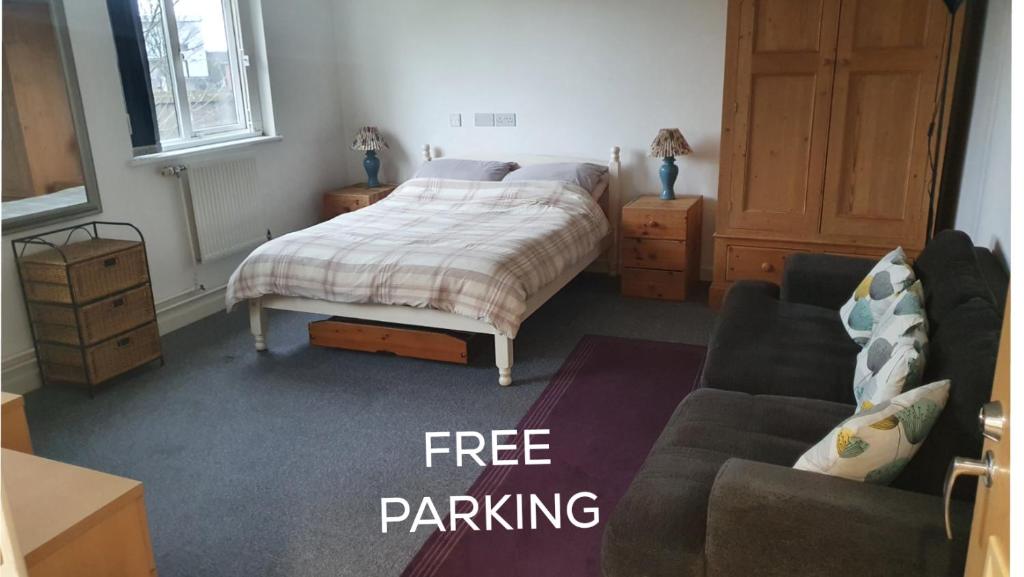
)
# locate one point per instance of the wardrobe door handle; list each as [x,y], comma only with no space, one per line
[971,467]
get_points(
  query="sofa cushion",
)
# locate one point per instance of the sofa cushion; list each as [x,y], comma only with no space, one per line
[963,349]
[875,445]
[762,345]
[658,527]
[882,286]
[949,271]
[894,357]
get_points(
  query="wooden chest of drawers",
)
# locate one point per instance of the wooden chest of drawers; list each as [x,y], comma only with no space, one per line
[90,306]
[661,247]
[352,198]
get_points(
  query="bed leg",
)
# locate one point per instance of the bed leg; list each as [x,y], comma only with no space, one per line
[503,358]
[258,323]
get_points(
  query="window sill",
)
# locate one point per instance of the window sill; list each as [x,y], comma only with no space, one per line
[201,151]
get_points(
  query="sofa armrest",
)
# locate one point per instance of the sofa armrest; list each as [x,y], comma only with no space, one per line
[769,520]
[824,280]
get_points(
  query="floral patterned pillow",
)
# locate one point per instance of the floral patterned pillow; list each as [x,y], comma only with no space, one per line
[893,359]
[873,296]
[876,444]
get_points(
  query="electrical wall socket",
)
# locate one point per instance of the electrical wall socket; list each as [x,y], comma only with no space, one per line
[483,119]
[505,119]
[455,120]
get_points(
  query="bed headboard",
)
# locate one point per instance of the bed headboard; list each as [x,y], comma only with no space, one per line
[610,202]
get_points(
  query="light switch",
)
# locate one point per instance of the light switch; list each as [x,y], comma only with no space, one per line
[455,120]
[505,119]
[483,119]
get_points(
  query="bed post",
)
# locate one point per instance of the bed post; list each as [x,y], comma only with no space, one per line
[614,210]
[426,153]
[503,358]
[258,323]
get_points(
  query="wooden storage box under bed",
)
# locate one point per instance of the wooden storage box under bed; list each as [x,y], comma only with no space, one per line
[400,340]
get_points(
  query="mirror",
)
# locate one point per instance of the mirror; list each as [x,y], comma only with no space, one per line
[47,166]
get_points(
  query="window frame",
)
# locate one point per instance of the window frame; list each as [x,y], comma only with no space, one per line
[246,88]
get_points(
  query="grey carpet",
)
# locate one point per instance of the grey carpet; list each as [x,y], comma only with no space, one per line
[274,464]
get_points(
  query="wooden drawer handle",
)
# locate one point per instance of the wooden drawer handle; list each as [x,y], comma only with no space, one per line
[651,223]
[767,267]
[118,302]
[112,261]
[124,342]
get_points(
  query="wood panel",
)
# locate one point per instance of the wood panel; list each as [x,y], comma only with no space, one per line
[988,553]
[756,263]
[73,521]
[651,217]
[782,82]
[889,60]
[653,284]
[14,425]
[33,66]
[649,253]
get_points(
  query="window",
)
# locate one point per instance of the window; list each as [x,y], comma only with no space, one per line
[185,71]
[197,69]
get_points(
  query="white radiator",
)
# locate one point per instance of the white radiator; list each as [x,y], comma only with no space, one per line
[223,206]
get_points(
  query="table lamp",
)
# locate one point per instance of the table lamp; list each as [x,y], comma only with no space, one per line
[669,144]
[369,139]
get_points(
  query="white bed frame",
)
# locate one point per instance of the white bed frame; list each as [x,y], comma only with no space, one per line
[421,317]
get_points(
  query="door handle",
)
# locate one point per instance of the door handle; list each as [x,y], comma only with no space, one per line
[992,421]
[970,467]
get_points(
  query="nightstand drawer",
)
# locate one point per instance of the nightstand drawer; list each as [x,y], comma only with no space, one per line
[654,284]
[352,198]
[755,263]
[654,254]
[335,205]
[642,222]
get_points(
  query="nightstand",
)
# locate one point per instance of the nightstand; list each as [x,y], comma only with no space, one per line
[352,198]
[661,247]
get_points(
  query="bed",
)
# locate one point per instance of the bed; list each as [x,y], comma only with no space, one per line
[382,264]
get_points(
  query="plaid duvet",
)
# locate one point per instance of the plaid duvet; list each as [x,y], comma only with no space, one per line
[477,249]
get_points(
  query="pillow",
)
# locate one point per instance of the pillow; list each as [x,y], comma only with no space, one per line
[876,444]
[584,174]
[893,360]
[461,169]
[883,285]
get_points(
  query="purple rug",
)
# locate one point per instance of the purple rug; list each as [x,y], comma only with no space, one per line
[605,408]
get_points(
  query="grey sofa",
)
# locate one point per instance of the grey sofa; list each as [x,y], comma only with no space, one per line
[717,494]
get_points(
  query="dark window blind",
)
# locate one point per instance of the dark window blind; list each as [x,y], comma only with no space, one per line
[134,67]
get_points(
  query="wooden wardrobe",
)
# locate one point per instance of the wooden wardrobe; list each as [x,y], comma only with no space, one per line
[827,130]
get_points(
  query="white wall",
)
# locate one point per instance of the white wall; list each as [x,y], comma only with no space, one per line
[983,209]
[581,75]
[294,172]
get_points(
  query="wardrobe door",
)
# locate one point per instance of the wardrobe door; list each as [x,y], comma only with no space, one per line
[889,57]
[781,86]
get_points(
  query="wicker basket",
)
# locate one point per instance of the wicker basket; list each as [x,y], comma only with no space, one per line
[95,322]
[83,272]
[98,363]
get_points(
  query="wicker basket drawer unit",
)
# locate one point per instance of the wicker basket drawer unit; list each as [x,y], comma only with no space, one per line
[90,305]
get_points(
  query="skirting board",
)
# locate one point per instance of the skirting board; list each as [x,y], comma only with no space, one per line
[20,372]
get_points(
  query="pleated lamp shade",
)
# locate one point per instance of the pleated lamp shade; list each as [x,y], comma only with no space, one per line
[369,138]
[670,142]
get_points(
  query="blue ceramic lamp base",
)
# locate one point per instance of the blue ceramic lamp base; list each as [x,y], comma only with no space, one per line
[668,172]
[372,165]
